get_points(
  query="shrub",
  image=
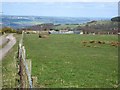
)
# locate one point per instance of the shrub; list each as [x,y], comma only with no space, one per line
[8,30]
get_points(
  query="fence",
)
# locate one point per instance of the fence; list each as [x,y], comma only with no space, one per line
[24,66]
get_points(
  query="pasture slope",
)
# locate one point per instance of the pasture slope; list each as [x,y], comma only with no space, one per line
[63,60]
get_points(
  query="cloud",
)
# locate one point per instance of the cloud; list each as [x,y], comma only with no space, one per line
[60,0]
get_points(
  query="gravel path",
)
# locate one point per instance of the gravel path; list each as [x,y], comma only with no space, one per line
[3,40]
[9,45]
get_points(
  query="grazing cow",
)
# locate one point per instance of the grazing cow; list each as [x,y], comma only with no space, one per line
[84,43]
[116,44]
[92,41]
[99,42]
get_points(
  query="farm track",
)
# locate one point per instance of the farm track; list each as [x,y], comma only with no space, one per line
[8,46]
[3,40]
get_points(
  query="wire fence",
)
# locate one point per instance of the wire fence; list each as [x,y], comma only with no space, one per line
[24,70]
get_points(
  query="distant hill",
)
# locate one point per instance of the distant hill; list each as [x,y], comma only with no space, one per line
[93,26]
[100,26]
[116,19]
[24,21]
[44,27]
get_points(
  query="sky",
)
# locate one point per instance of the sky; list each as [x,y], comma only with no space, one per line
[60,0]
[64,9]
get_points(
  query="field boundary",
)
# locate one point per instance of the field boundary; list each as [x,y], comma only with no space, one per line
[24,70]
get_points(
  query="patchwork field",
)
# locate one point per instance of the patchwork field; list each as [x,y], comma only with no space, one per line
[66,61]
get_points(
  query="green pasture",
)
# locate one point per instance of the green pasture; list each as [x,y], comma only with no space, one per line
[63,60]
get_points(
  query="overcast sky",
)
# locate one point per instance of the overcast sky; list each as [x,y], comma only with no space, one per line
[69,9]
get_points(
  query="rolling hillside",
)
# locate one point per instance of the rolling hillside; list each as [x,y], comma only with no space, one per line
[23,21]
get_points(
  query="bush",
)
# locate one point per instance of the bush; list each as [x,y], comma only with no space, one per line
[8,30]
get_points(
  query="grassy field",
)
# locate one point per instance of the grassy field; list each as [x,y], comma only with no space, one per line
[9,70]
[63,61]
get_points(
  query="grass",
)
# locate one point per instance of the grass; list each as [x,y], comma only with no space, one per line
[9,70]
[26,22]
[63,61]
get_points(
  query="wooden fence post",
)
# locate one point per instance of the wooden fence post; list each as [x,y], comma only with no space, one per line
[34,80]
[29,65]
[24,67]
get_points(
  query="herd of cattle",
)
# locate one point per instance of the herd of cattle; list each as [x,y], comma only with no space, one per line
[88,43]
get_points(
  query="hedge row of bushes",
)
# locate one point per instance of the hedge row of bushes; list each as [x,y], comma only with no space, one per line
[9,30]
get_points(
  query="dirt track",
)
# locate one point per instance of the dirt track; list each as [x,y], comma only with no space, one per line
[3,40]
[9,45]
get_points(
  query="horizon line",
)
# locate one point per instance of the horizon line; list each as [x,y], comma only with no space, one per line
[61,16]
